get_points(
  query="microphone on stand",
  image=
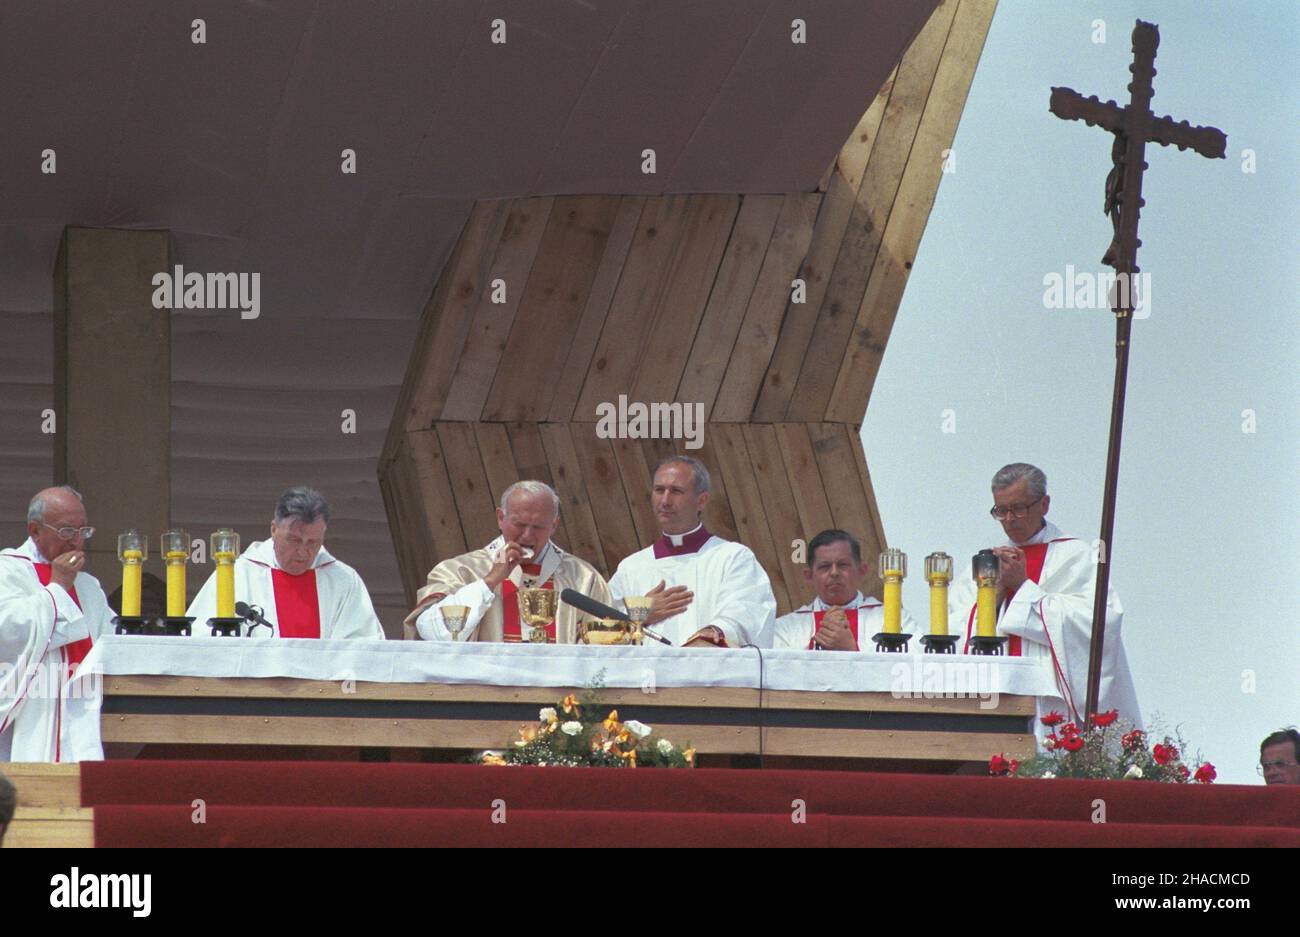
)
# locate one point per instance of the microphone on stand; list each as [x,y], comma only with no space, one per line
[589,605]
[253,615]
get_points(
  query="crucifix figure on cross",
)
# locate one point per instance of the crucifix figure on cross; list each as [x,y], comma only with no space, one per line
[1133,126]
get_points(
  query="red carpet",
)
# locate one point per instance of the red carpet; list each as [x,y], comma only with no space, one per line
[335,804]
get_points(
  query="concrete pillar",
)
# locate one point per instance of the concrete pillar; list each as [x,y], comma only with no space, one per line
[112,387]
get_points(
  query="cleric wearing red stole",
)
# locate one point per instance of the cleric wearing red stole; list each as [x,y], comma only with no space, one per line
[302,590]
[1045,598]
[51,610]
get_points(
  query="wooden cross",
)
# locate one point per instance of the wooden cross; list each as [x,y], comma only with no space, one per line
[1133,126]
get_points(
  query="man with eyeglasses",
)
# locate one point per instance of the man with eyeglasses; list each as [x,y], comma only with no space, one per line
[51,611]
[1279,757]
[1046,584]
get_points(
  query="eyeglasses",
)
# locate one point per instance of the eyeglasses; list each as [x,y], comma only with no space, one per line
[1266,765]
[1014,510]
[69,533]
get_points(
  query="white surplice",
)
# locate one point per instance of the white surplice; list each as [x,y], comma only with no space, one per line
[731,588]
[37,623]
[796,629]
[459,581]
[345,607]
[1053,619]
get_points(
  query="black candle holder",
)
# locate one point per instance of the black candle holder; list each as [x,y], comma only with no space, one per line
[940,643]
[175,626]
[226,627]
[131,624]
[988,646]
[891,643]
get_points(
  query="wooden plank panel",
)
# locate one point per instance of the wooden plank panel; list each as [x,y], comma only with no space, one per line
[469,484]
[550,311]
[747,506]
[636,477]
[446,319]
[632,313]
[581,537]
[874,540]
[778,506]
[609,500]
[530,458]
[801,318]
[292,688]
[386,733]
[44,785]
[833,445]
[498,458]
[759,332]
[876,198]
[485,342]
[916,194]
[718,514]
[51,828]
[690,277]
[888,703]
[569,379]
[856,151]
[882,743]
[807,485]
[405,509]
[737,275]
[442,520]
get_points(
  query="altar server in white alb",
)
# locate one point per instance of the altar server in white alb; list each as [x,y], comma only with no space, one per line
[708,592]
[51,612]
[303,591]
[840,618]
[1045,594]
[487,580]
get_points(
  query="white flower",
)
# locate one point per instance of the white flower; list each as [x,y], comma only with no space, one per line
[665,747]
[639,729]
[547,714]
[1133,772]
[1048,774]
[571,728]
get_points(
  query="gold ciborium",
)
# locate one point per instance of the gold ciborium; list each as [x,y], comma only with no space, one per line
[454,616]
[638,609]
[604,631]
[537,607]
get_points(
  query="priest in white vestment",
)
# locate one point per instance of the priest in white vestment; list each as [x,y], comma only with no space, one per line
[1045,595]
[839,618]
[302,590]
[707,591]
[487,580]
[51,611]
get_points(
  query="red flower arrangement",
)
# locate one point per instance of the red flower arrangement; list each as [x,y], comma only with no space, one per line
[1097,751]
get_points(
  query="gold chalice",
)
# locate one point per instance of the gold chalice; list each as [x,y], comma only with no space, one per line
[453,616]
[604,631]
[537,607]
[638,609]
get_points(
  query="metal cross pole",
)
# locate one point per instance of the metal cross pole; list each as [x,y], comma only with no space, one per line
[1133,126]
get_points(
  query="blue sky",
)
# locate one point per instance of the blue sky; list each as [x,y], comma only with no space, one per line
[1206,551]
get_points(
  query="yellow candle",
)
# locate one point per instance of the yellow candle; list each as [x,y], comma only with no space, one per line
[893,604]
[986,612]
[938,604]
[225,584]
[132,568]
[176,583]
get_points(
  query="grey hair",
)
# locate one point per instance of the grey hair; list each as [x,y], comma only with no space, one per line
[36,507]
[302,504]
[530,487]
[698,469]
[1010,474]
